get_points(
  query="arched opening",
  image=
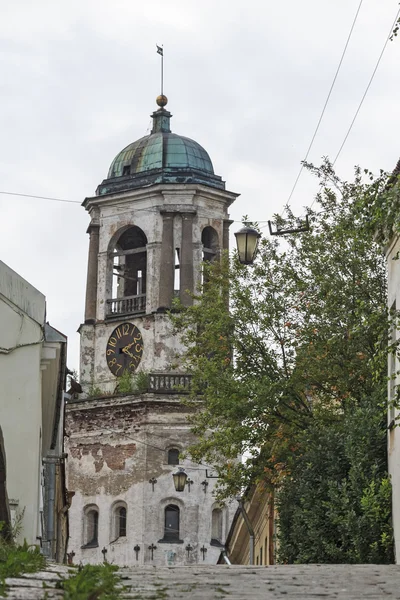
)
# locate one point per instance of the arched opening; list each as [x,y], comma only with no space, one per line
[209,238]
[119,520]
[91,527]
[171,523]
[210,241]
[173,456]
[129,273]
[216,525]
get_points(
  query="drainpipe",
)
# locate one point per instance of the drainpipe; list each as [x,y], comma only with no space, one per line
[50,464]
[225,556]
[50,494]
[249,529]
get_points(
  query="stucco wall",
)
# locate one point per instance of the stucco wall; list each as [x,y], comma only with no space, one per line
[20,393]
[393,267]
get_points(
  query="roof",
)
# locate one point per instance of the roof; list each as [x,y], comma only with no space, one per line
[160,157]
[160,150]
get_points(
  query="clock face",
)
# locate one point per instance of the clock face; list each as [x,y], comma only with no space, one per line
[124,349]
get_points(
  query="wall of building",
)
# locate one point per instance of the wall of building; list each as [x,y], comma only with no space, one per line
[116,447]
[22,313]
[393,268]
[32,369]
[259,505]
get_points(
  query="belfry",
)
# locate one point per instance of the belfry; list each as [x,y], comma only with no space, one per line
[157,217]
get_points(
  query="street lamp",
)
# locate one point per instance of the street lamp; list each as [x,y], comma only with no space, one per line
[179,478]
[247,242]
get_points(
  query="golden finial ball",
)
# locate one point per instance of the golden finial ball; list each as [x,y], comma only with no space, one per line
[162,100]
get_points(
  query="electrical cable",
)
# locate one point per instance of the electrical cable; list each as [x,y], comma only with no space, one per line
[41,197]
[324,108]
[368,86]
[149,209]
[364,95]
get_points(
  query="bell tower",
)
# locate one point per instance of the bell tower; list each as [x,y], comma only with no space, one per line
[157,217]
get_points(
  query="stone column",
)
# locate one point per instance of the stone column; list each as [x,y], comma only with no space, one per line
[186,260]
[91,283]
[167,263]
[225,234]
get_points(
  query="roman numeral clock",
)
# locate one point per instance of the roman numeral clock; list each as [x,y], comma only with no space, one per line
[124,349]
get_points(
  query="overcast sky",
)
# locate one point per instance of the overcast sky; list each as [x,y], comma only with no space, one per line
[247,80]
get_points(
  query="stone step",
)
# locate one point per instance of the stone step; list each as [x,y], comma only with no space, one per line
[289,582]
[300,582]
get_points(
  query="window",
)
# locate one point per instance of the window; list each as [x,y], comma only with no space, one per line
[91,526]
[129,265]
[209,238]
[126,170]
[173,456]
[216,525]
[120,521]
[171,526]
[177,278]
[261,556]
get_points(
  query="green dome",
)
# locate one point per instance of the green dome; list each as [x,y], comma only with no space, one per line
[161,157]
[160,151]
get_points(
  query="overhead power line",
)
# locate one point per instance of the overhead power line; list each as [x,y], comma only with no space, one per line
[365,93]
[368,86]
[325,105]
[41,197]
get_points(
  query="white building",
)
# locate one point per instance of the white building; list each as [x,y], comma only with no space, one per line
[32,373]
[393,270]
[160,213]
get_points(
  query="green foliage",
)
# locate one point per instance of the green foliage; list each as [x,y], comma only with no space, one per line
[140,382]
[15,560]
[95,391]
[133,384]
[336,505]
[294,376]
[93,582]
[125,384]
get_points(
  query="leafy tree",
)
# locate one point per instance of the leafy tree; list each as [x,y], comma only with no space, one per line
[293,376]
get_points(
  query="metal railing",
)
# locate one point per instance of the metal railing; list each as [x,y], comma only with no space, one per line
[169,383]
[128,305]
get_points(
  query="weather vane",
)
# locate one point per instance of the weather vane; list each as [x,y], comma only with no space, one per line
[160,50]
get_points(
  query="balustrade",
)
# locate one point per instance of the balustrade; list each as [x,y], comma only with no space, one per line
[126,305]
[167,383]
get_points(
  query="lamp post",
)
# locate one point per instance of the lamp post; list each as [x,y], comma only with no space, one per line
[179,478]
[246,243]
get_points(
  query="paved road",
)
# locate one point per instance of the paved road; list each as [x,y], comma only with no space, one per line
[300,582]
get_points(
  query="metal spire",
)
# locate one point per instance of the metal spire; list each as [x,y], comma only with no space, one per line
[160,50]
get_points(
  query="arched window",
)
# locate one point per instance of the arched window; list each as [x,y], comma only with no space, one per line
[216,525]
[173,456]
[91,526]
[120,521]
[128,255]
[171,525]
[209,238]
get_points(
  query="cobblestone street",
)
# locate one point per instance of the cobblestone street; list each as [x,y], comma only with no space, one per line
[338,582]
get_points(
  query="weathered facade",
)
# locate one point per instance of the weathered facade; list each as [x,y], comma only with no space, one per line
[160,213]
